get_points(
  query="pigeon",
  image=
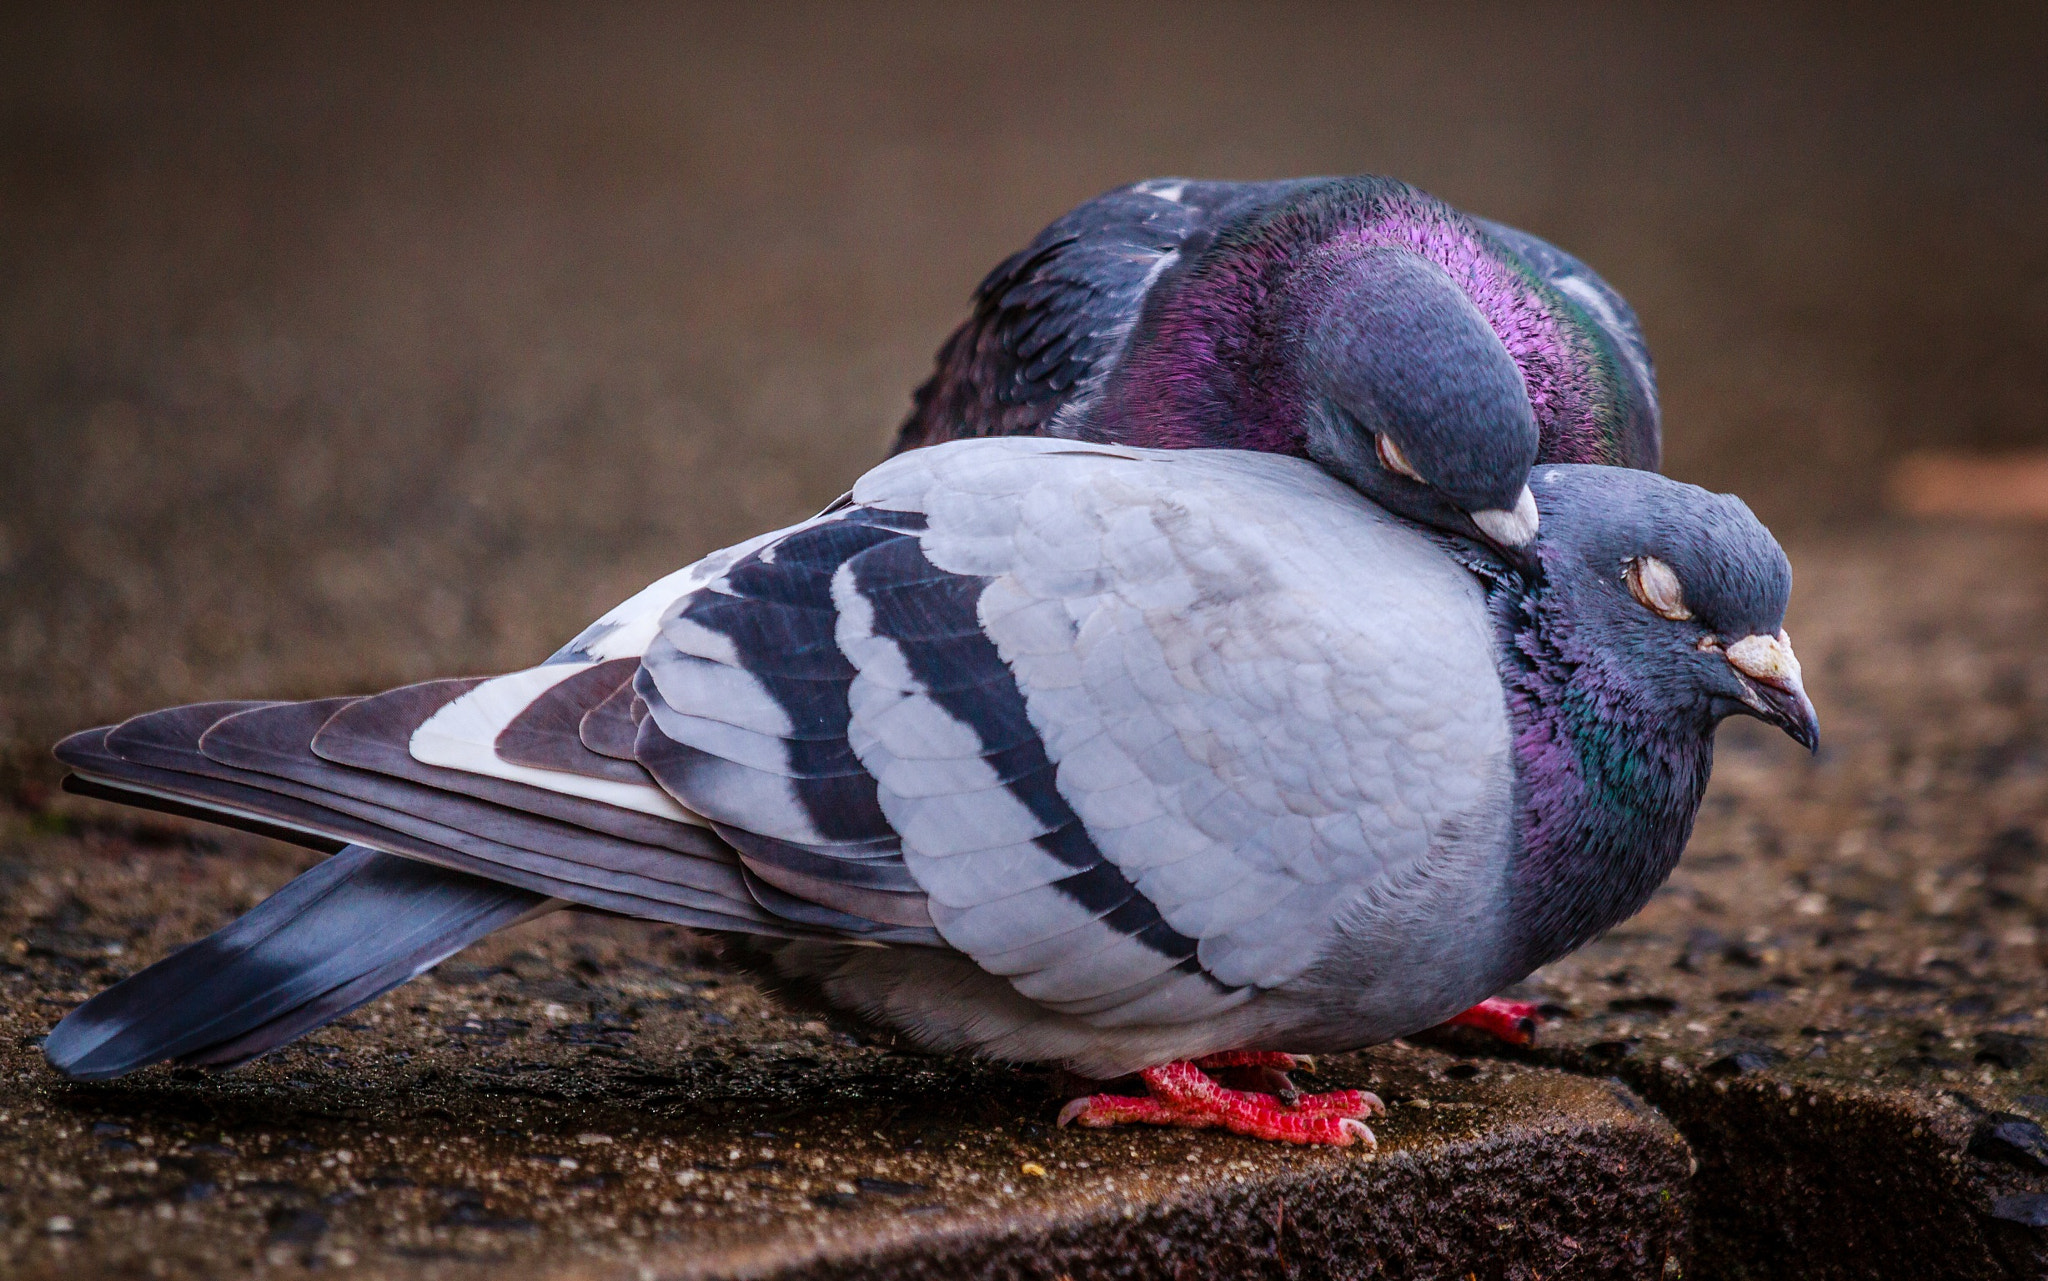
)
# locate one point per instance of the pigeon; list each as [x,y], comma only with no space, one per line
[1129,761]
[1355,321]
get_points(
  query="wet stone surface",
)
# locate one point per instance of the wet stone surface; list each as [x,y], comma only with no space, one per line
[587,1097]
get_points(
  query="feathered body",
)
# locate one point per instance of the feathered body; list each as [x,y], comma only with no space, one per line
[1041,750]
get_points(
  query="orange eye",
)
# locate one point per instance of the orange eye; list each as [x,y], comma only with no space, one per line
[1654,584]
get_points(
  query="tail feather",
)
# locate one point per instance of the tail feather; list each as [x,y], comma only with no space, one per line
[355,926]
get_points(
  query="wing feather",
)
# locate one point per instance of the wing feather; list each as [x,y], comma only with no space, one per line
[547,734]
[463,736]
[374,734]
[610,728]
[161,751]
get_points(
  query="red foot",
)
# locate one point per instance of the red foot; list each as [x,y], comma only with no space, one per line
[1512,1021]
[1182,1094]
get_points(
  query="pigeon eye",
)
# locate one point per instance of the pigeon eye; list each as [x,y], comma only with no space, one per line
[1654,584]
[1394,460]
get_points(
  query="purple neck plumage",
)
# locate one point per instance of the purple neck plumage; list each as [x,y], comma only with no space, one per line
[1607,785]
[1210,363]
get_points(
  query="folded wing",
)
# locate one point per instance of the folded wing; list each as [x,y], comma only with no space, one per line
[1052,319]
[1132,730]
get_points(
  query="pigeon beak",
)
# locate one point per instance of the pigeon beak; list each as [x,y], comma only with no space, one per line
[1771,687]
[1511,529]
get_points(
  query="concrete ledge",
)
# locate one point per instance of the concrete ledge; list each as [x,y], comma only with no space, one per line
[1542,1176]
[1801,1175]
[593,1098]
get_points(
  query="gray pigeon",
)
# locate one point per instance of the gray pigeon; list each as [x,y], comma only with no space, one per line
[1355,321]
[1119,759]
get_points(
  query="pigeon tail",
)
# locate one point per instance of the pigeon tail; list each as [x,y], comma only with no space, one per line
[355,926]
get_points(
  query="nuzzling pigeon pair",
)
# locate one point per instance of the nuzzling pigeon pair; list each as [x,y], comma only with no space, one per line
[1355,321]
[1079,751]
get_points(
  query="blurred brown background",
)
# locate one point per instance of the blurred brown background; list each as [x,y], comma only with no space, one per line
[345,346]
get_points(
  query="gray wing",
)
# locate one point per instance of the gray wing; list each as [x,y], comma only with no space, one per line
[1050,321]
[1106,710]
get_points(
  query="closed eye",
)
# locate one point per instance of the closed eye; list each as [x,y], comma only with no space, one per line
[1394,460]
[1656,588]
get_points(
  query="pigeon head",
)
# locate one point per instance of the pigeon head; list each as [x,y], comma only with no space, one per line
[1408,394]
[1676,598]
[1657,611]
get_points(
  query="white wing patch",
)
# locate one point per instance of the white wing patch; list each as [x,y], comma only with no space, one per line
[1164,188]
[463,736]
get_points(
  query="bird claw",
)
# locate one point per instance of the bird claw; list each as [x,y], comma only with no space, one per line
[1512,1021]
[1181,1094]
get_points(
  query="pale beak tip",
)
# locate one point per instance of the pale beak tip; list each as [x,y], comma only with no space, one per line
[1510,527]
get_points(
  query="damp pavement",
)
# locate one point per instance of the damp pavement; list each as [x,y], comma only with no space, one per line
[1821,1051]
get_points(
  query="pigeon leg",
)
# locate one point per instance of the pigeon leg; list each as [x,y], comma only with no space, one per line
[1183,1094]
[1512,1021]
